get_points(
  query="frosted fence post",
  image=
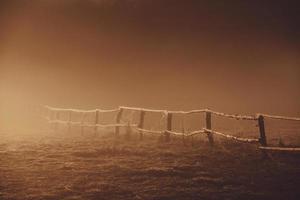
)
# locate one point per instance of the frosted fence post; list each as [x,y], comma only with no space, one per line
[183,128]
[45,112]
[51,117]
[82,123]
[261,124]
[56,117]
[208,126]
[69,121]
[118,121]
[128,130]
[141,123]
[169,126]
[96,121]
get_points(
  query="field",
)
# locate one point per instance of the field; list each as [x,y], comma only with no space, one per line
[59,166]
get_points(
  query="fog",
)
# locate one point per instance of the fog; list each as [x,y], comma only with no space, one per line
[238,58]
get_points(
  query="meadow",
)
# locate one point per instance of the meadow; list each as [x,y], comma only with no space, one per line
[57,165]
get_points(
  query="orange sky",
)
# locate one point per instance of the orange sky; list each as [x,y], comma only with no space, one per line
[241,57]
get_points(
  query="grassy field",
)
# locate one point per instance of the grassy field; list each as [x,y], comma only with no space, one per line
[44,166]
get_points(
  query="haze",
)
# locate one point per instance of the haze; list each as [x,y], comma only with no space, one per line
[241,57]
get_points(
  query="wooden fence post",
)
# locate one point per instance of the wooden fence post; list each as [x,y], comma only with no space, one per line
[128,131]
[69,121]
[183,129]
[261,124]
[51,117]
[56,118]
[96,122]
[118,121]
[47,113]
[141,123]
[208,126]
[169,126]
[82,124]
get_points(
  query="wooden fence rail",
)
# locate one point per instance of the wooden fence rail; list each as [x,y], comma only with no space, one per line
[53,117]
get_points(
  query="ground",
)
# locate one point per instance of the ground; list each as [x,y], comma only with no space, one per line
[43,166]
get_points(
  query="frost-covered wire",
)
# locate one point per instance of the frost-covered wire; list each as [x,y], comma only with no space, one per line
[185,134]
[53,121]
[188,112]
[250,140]
[242,117]
[84,124]
[281,148]
[111,125]
[174,132]
[280,117]
[79,110]
[194,133]
[143,109]
[149,131]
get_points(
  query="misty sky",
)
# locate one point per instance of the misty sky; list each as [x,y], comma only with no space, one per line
[231,56]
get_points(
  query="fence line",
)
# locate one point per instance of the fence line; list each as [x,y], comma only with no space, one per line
[168,116]
[242,117]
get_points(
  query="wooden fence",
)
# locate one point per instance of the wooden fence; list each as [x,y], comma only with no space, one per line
[52,115]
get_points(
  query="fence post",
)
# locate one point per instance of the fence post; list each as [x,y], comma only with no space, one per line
[69,121]
[118,120]
[261,124]
[208,126]
[128,131]
[82,124]
[56,118]
[183,128]
[96,121]
[51,117]
[141,123]
[169,126]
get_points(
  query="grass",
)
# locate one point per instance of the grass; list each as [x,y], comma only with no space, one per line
[87,167]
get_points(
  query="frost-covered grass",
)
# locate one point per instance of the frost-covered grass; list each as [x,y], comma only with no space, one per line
[88,167]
